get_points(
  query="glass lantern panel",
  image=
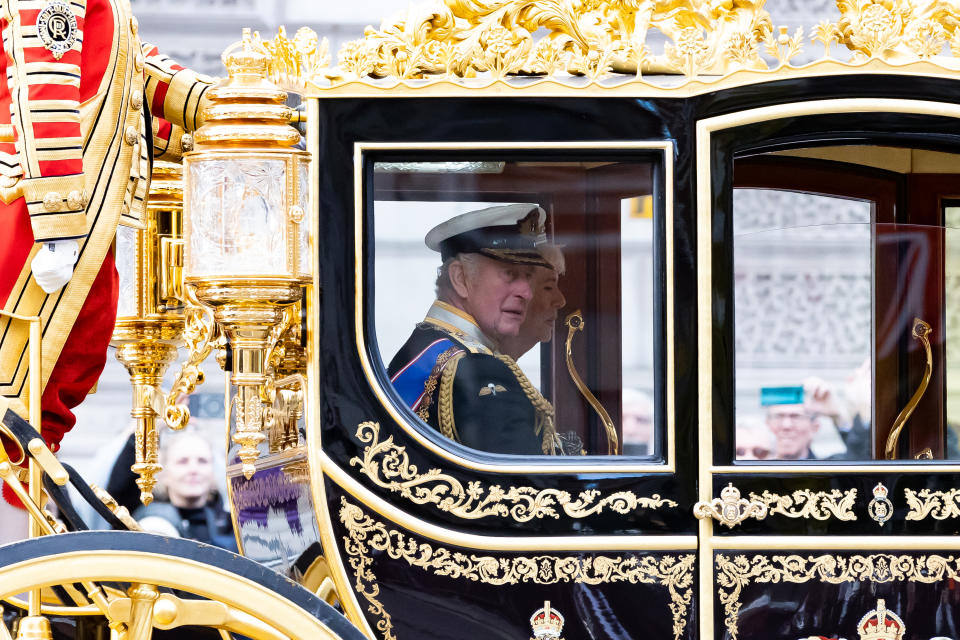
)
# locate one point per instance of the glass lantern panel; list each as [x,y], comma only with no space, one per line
[126,270]
[304,226]
[238,218]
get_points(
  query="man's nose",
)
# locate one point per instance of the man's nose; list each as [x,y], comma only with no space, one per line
[560,300]
[522,289]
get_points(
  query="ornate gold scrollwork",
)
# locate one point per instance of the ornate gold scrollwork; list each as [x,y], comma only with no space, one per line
[920,331]
[574,322]
[364,534]
[803,503]
[198,333]
[388,466]
[730,509]
[939,505]
[601,39]
[736,572]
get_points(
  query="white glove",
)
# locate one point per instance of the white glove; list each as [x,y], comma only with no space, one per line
[53,265]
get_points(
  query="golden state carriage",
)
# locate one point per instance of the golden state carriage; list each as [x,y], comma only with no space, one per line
[732,223]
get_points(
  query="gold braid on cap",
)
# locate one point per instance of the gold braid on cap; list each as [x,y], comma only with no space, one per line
[544,425]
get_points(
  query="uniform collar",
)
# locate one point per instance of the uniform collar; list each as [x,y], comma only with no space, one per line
[457,321]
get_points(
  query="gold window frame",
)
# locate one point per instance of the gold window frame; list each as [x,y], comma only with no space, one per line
[667,147]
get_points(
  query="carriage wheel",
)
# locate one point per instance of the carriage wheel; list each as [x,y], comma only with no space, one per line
[259,603]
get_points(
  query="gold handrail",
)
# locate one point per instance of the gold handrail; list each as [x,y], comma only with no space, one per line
[575,323]
[920,331]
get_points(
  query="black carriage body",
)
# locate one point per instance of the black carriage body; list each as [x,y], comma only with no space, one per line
[430,540]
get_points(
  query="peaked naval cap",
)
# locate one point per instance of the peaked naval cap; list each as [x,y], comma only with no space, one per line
[509,233]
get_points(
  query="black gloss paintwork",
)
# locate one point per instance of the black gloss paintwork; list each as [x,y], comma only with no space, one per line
[422,603]
[347,398]
[815,608]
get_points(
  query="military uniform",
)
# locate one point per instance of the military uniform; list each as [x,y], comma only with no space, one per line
[75,163]
[450,375]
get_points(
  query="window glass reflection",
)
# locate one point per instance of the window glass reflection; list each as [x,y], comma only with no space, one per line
[479,264]
[803,326]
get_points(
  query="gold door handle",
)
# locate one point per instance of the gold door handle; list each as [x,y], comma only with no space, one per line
[575,323]
[920,331]
[730,509]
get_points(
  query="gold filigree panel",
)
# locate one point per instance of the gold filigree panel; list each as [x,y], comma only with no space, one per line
[389,467]
[803,503]
[366,535]
[595,40]
[734,573]
[939,505]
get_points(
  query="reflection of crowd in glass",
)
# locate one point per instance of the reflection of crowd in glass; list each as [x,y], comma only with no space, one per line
[795,415]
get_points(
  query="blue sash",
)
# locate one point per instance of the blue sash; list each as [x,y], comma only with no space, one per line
[410,380]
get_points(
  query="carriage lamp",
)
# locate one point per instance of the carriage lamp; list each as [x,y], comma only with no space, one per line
[152,320]
[245,232]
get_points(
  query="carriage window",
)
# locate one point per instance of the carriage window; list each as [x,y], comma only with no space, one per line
[845,264]
[514,301]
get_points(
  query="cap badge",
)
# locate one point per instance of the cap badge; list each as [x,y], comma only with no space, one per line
[57,28]
[492,389]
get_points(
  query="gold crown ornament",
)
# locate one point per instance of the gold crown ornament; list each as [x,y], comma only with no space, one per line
[880,624]
[547,623]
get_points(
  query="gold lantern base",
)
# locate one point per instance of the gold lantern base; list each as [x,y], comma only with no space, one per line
[251,315]
[146,348]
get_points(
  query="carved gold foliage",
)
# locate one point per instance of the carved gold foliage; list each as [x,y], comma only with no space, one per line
[364,535]
[783,46]
[734,573]
[388,466]
[582,37]
[898,29]
[502,40]
[292,61]
[803,503]
[939,505]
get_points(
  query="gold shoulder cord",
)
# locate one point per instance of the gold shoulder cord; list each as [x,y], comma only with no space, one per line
[445,421]
[544,426]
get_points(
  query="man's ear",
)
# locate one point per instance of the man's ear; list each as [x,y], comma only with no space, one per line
[458,278]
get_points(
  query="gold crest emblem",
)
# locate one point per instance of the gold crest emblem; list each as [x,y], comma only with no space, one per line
[57,28]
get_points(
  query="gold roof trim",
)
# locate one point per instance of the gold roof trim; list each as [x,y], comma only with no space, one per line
[544,46]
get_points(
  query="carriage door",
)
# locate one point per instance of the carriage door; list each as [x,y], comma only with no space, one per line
[828,490]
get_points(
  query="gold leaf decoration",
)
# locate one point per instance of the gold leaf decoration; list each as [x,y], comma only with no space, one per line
[584,37]
[292,61]
[508,41]
[827,33]
[783,46]
[939,505]
[734,573]
[364,535]
[389,467]
[803,503]
[898,30]
[198,333]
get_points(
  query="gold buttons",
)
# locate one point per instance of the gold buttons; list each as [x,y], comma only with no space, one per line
[134,25]
[136,101]
[52,201]
[76,200]
[131,134]
[138,61]
[186,142]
